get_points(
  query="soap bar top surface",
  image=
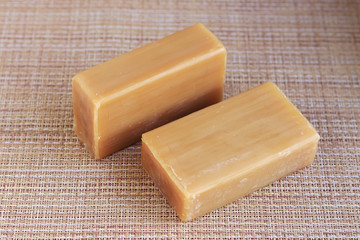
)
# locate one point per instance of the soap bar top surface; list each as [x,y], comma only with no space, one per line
[214,150]
[151,60]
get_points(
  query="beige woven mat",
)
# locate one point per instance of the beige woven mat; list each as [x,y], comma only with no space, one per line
[51,188]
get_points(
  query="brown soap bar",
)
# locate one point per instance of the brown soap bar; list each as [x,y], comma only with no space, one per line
[116,101]
[228,150]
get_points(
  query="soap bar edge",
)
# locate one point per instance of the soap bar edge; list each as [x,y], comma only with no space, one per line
[163,179]
[90,146]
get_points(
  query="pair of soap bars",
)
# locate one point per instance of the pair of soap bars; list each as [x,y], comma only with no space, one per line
[208,158]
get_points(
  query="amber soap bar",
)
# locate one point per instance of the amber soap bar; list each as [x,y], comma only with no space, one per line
[116,101]
[223,152]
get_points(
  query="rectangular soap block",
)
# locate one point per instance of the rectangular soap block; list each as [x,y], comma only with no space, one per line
[223,152]
[116,101]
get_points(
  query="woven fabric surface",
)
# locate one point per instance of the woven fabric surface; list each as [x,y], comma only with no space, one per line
[50,187]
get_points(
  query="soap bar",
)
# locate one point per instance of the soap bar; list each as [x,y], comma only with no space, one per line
[116,101]
[223,152]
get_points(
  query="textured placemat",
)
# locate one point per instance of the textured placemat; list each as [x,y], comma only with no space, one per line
[50,187]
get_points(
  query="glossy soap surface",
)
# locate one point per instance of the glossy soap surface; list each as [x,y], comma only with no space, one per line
[230,149]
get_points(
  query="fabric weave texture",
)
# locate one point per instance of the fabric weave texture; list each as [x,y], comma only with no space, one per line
[50,186]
